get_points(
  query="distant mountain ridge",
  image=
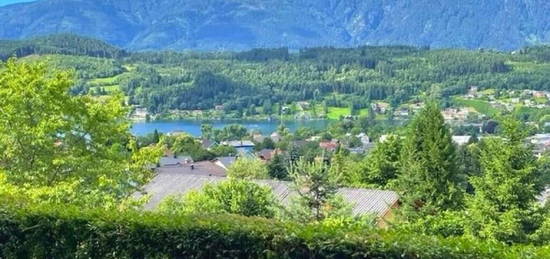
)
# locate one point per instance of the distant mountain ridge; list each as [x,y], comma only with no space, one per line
[244,24]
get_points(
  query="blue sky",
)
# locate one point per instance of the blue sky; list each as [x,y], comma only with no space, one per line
[7,2]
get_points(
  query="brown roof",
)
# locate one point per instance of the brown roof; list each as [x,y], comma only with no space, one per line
[266,154]
[206,168]
[328,145]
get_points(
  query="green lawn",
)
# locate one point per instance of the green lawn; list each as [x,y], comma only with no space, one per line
[480,106]
[334,113]
[104,81]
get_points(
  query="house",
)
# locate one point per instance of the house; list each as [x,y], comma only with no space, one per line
[276,137]
[286,110]
[219,107]
[364,139]
[401,112]
[313,139]
[379,203]
[303,105]
[174,161]
[225,162]
[539,94]
[140,114]
[461,140]
[455,114]
[380,107]
[258,138]
[541,143]
[329,146]
[473,91]
[242,146]
[299,143]
[268,154]
[417,107]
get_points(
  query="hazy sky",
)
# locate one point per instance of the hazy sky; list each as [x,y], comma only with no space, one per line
[7,2]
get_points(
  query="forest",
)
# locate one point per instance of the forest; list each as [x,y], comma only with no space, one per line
[265,80]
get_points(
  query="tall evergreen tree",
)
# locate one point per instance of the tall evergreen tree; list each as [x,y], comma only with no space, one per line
[505,193]
[428,174]
[156,136]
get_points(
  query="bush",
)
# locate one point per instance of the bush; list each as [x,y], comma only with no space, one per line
[248,168]
[71,232]
[233,196]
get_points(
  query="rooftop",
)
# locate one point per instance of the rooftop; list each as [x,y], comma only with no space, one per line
[364,201]
[173,161]
[240,143]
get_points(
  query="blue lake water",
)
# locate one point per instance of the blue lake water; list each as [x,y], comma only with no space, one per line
[193,127]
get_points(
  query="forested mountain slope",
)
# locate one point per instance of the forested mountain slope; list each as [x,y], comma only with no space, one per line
[241,24]
[266,79]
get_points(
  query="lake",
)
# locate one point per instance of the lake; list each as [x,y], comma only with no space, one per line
[193,127]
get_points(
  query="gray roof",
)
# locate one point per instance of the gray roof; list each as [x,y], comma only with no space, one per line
[164,185]
[240,143]
[364,201]
[206,168]
[227,161]
[171,161]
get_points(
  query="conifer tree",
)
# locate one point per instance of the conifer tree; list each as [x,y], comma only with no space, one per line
[428,174]
[504,198]
[317,197]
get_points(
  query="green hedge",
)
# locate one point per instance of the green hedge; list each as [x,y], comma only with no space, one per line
[61,232]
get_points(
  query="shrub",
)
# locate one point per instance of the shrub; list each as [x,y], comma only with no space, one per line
[233,196]
[71,232]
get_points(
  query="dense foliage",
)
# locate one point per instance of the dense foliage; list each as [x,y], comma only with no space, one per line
[235,196]
[62,148]
[270,81]
[69,232]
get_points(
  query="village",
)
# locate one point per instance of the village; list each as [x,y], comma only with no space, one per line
[178,174]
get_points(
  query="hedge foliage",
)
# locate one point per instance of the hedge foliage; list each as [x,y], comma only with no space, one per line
[70,232]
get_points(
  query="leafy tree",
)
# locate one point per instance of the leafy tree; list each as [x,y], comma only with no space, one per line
[50,140]
[317,199]
[303,133]
[231,132]
[232,196]
[267,143]
[224,150]
[428,173]
[47,135]
[248,168]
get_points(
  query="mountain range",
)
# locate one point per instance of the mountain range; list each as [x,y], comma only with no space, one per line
[244,24]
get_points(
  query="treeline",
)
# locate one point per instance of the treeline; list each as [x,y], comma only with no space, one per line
[271,78]
[66,44]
